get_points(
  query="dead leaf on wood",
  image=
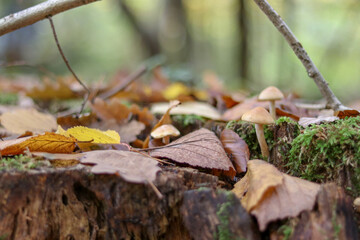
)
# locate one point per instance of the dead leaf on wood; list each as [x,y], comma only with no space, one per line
[200,148]
[59,159]
[130,130]
[49,142]
[131,166]
[237,148]
[22,120]
[271,195]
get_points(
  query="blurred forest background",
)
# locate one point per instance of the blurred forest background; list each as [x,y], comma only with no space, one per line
[230,37]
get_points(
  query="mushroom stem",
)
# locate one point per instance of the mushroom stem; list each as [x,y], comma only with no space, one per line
[261,139]
[272,109]
[166,140]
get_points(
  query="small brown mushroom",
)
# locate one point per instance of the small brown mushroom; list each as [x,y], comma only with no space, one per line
[259,116]
[271,94]
[164,132]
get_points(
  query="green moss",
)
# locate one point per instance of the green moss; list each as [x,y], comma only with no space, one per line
[286,231]
[20,163]
[321,152]
[223,213]
[247,132]
[188,119]
[8,98]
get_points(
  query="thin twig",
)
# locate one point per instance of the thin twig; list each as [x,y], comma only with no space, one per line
[69,67]
[123,84]
[332,101]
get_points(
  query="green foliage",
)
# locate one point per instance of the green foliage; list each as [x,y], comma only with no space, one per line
[223,213]
[8,98]
[20,163]
[188,119]
[322,151]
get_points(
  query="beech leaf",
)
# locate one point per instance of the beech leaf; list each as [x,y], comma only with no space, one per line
[131,166]
[271,195]
[237,148]
[200,148]
[49,142]
[22,120]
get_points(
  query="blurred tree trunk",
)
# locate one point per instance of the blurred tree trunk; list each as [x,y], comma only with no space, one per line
[174,32]
[149,41]
[243,56]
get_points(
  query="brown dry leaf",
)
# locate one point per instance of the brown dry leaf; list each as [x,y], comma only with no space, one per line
[130,130]
[72,120]
[237,148]
[272,195]
[49,142]
[112,109]
[200,148]
[22,120]
[131,166]
[143,115]
[283,113]
[347,113]
[61,89]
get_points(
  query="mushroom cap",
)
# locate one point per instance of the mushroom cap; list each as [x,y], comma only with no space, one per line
[164,131]
[258,115]
[270,93]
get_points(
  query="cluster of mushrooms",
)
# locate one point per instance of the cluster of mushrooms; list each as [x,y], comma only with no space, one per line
[260,117]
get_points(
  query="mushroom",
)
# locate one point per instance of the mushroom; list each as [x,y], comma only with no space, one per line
[164,132]
[271,94]
[259,116]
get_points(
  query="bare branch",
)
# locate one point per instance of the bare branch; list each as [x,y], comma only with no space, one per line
[332,101]
[38,12]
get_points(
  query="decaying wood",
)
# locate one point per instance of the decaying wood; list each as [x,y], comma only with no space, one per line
[209,214]
[78,205]
[332,101]
[38,12]
[333,217]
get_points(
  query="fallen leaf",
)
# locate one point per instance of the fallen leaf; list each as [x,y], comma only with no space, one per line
[237,148]
[271,195]
[200,148]
[73,120]
[59,159]
[306,121]
[92,135]
[131,166]
[112,109]
[175,90]
[22,120]
[236,112]
[130,130]
[197,108]
[347,113]
[61,89]
[49,142]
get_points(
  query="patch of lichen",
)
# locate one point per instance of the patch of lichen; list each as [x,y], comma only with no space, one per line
[20,163]
[323,152]
[247,132]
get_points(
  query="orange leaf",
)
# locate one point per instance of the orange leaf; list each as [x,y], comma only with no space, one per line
[49,142]
[347,113]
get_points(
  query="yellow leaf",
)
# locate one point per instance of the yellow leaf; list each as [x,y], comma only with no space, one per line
[175,90]
[49,142]
[94,135]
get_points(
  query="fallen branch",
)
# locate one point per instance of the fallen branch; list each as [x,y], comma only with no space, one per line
[38,12]
[332,101]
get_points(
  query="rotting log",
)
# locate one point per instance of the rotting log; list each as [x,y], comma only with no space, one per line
[75,204]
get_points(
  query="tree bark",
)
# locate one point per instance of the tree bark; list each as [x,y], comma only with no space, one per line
[38,12]
[332,101]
